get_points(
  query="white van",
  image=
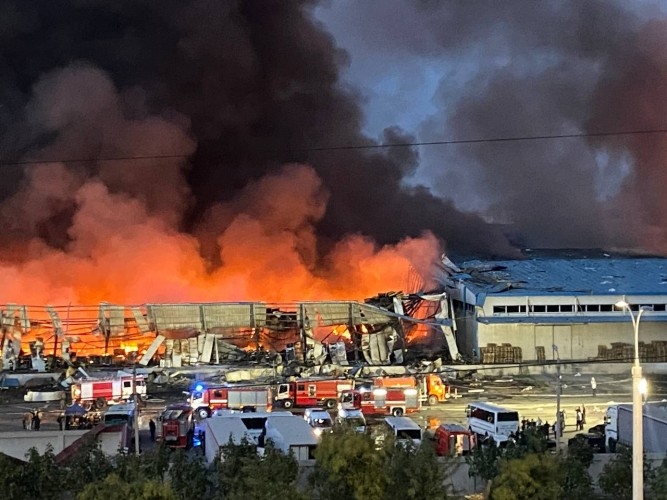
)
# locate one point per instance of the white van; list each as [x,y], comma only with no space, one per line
[351,418]
[405,430]
[318,419]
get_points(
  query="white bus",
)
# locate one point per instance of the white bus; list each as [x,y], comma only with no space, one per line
[497,423]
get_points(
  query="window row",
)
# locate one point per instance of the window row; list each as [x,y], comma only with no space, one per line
[568,308]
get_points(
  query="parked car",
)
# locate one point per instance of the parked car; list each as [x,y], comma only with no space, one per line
[592,439]
[352,419]
[318,419]
[597,429]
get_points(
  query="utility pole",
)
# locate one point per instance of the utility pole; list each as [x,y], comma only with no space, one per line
[135,398]
[559,389]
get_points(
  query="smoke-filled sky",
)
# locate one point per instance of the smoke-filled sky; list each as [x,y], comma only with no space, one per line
[244,98]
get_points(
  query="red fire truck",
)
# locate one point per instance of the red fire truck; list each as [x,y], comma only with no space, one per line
[96,393]
[311,392]
[380,401]
[176,426]
[204,400]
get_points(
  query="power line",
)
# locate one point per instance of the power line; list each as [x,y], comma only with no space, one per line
[350,147]
[92,160]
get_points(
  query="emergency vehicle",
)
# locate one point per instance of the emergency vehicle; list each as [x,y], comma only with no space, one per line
[453,439]
[432,390]
[380,401]
[205,400]
[311,392]
[176,426]
[99,392]
[126,415]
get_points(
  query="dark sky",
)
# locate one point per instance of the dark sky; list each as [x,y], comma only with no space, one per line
[247,91]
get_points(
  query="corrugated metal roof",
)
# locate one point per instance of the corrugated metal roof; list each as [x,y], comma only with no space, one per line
[222,428]
[578,276]
[294,430]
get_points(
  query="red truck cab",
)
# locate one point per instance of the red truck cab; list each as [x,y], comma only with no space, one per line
[176,426]
[453,440]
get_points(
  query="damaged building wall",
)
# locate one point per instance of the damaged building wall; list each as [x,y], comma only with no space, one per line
[192,333]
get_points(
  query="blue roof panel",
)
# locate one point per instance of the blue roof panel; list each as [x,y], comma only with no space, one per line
[554,276]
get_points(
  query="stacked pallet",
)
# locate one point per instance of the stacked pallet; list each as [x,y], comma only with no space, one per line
[505,354]
[541,354]
[488,354]
[655,352]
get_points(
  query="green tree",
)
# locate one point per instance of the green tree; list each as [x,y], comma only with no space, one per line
[88,465]
[577,482]
[149,465]
[41,477]
[268,477]
[348,466]
[483,462]
[414,473]
[115,488]
[232,459]
[10,470]
[658,483]
[242,473]
[155,463]
[527,442]
[189,476]
[616,477]
[532,477]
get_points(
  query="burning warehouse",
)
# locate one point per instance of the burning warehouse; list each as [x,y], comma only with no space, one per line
[308,333]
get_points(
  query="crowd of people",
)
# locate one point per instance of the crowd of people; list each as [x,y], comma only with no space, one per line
[547,430]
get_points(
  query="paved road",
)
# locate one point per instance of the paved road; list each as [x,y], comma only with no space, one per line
[530,401]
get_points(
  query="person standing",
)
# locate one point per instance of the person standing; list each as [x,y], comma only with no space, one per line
[583,415]
[594,385]
[152,428]
[579,426]
[36,421]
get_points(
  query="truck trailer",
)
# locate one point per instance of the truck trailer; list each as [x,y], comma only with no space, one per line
[618,427]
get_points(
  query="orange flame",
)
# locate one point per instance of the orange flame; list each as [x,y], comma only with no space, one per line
[267,244]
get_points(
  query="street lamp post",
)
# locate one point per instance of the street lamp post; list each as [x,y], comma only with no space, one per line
[559,390]
[637,413]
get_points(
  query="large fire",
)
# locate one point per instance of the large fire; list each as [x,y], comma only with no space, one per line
[113,232]
[123,255]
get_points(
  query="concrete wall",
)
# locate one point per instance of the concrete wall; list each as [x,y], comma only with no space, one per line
[16,444]
[110,442]
[576,341]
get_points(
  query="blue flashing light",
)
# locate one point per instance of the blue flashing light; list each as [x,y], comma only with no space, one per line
[199,388]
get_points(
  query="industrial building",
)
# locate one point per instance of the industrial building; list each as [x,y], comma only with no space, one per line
[549,307]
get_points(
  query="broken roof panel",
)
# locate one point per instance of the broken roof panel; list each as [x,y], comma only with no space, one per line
[561,276]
